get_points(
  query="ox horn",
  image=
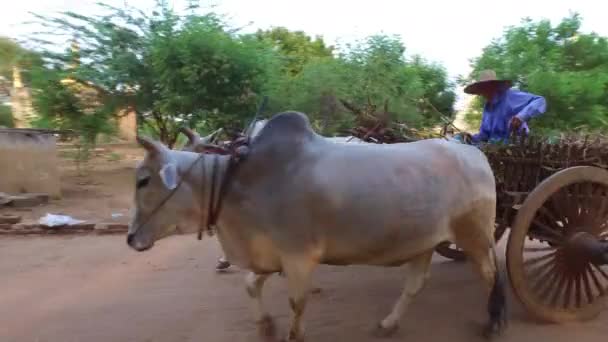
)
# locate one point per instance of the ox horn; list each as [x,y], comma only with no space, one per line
[149,144]
[211,137]
[192,136]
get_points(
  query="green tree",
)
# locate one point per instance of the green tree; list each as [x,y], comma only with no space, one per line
[13,54]
[6,117]
[567,66]
[172,69]
[64,105]
[296,47]
[9,53]
[373,71]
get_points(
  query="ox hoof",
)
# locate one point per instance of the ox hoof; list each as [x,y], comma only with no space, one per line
[266,326]
[384,332]
[494,329]
[294,337]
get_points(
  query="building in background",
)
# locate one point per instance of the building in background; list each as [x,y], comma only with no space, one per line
[21,101]
[91,94]
[18,96]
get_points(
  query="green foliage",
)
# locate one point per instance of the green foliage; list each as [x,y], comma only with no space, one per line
[12,54]
[59,106]
[174,70]
[374,70]
[473,114]
[6,117]
[569,68]
[212,74]
[9,51]
[297,49]
[194,70]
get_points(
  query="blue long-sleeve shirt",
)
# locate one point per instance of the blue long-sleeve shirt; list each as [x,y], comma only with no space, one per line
[497,114]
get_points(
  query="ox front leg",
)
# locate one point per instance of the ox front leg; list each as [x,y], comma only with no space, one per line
[255,284]
[417,273]
[298,272]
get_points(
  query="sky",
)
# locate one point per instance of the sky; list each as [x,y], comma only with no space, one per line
[448,32]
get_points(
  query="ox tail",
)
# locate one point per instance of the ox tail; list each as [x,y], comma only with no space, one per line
[497,301]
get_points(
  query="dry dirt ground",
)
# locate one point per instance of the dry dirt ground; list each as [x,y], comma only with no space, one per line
[94,288]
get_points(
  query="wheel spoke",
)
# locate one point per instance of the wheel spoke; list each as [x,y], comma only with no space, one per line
[589,191]
[586,282]
[578,290]
[569,203]
[600,271]
[577,199]
[568,294]
[555,238]
[539,259]
[540,279]
[538,249]
[596,281]
[600,226]
[558,208]
[600,213]
[585,202]
[559,289]
[549,285]
[548,213]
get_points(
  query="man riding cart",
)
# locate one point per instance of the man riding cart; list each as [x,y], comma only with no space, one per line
[506,110]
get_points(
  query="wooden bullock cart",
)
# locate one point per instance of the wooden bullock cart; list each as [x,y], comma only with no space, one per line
[553,198]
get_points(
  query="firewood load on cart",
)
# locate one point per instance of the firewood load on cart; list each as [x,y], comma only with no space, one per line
[376,126]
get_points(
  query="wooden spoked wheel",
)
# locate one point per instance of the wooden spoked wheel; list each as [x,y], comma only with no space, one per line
[558,248]
[452,251]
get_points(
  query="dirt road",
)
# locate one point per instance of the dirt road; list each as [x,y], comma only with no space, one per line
[92,288]
[95,289]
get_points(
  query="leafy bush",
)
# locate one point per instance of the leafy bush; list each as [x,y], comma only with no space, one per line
[6,117]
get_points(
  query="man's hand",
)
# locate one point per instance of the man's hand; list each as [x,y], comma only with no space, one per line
[464,137]
[515,123]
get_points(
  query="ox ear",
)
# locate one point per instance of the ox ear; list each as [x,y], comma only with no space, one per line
[190,134]
[168,174]
[151,146]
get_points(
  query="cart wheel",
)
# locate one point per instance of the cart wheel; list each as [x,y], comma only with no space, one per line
[451,251]
[558,249]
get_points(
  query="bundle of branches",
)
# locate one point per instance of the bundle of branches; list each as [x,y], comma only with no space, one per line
[378,127]
[523,162]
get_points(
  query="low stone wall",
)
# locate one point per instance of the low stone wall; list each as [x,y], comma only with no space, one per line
[28,163]
[10,227]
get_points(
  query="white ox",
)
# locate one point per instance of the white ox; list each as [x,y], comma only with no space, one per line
[196,143]
[298,201]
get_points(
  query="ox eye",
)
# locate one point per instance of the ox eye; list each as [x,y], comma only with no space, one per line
[143,182]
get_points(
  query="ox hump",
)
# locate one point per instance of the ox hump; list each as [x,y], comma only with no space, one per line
[283,135]
[285,126]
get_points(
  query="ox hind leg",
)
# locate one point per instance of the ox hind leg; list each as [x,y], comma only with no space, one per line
[475,236]
[255,283]
[417,273]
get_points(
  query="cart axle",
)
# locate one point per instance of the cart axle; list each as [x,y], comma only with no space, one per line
[586,247]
